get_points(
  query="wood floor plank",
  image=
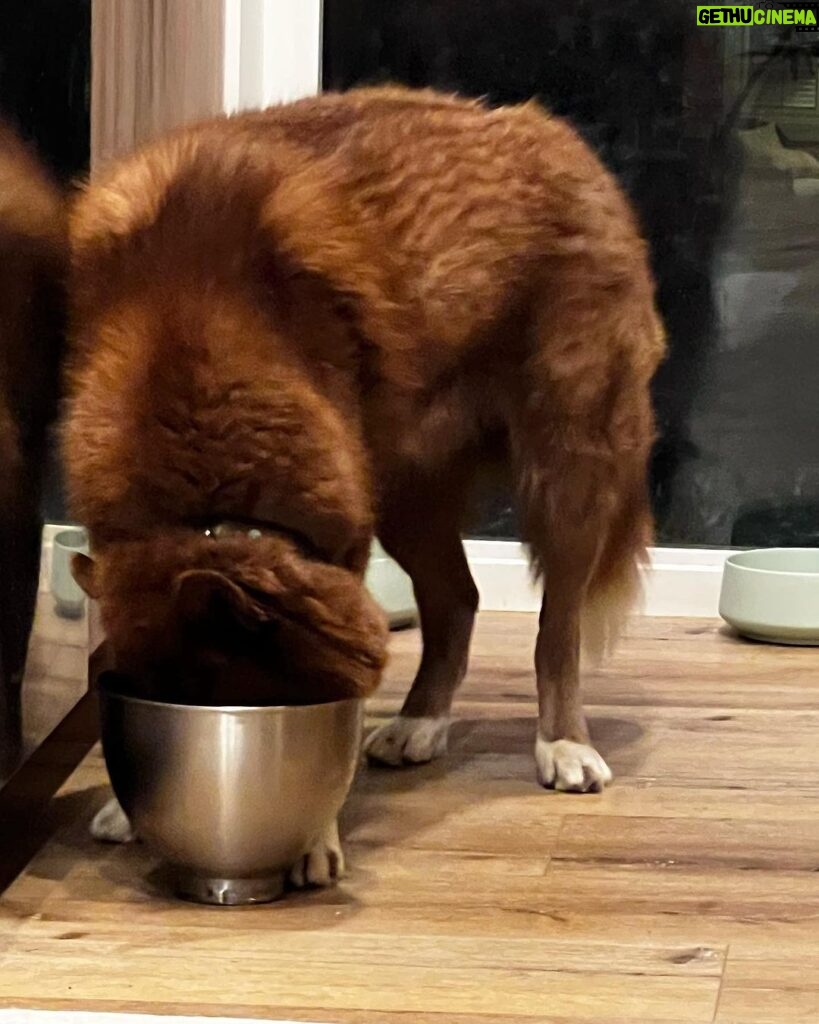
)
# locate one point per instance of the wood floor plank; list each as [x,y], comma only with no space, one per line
[319,1015]
[777,1004]
[523,824]
[662,890]
[707,843]
[468,989]
[769,981]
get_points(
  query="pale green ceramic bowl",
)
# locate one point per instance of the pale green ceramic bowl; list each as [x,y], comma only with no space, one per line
[772,594]
[392,589]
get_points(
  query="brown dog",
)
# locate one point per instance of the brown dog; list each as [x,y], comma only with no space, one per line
[313,321]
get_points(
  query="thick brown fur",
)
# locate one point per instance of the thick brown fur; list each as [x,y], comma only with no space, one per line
[32,262]
[317,317]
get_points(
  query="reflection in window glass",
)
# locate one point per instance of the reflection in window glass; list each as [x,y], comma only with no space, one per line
[715,135]
[44,142]
[45,67]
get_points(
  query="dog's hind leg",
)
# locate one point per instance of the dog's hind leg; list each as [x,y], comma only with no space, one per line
[580,447]
[420,528]
[564,530]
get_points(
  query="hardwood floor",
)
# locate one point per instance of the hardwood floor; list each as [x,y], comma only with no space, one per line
[689,892]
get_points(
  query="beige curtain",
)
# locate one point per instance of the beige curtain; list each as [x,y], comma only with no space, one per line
[155,64]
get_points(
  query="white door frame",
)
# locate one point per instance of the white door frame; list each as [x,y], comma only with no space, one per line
[270,52]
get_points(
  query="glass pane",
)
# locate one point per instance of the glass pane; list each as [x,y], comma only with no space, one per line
[714,132]
[44,75]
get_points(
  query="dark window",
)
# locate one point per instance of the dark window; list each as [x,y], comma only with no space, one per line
[45,58]
[45,64]
[714,133]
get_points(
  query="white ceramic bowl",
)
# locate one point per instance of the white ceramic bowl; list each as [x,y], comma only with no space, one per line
[772,594]
[391,588]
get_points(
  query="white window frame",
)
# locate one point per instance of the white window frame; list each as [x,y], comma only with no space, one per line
[271,53]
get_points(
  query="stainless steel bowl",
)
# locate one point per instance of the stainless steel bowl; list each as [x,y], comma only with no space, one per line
[231,798]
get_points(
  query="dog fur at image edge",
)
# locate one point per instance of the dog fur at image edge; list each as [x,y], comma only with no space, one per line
[33,255]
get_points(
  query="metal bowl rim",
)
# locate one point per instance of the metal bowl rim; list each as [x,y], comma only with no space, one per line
[112,693]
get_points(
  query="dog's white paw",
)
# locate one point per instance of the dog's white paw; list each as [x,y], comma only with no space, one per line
[323,865]
[408,741]
[110,825]
[570,767]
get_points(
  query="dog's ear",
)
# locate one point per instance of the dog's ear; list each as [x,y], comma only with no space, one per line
[84,572]
[340,651]
[202,594]
[324,621]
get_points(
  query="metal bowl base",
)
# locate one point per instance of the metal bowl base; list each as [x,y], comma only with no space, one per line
[228,892]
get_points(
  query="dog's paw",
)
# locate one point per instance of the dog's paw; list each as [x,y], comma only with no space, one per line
[570,767]
[408,741]
[322,866]
[110,825]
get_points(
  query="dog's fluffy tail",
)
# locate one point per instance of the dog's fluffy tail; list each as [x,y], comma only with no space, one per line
[615,591]
[609,607]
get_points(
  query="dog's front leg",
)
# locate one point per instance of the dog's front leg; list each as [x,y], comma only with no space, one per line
[420,530]
[321,866]
[111,824]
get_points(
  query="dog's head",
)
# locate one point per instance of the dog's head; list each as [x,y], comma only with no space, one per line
[239,619]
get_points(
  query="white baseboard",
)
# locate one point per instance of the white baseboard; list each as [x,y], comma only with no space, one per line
[679,581]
